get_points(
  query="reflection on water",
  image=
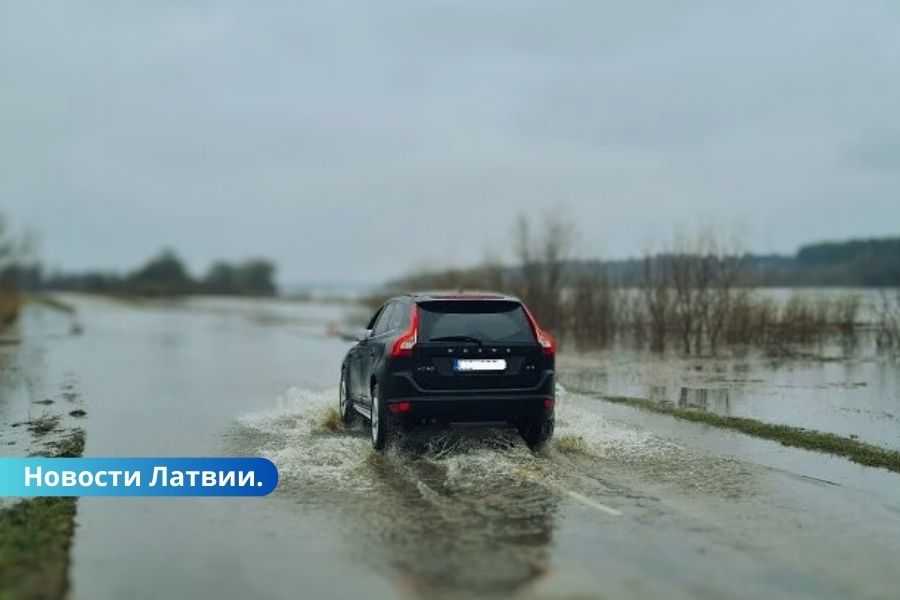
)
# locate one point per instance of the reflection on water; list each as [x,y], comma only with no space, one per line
[715,400]
[699,398]
[849,397]
[449,527]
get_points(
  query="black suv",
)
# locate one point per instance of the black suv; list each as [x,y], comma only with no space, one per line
[451,358]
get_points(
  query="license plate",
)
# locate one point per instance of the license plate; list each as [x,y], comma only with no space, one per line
[479,364]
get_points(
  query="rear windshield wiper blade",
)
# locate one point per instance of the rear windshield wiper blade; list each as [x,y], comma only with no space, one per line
[457,338]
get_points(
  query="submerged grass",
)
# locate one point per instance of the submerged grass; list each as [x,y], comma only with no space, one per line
[787,435]
[43,425]
[35,537]
[71,446]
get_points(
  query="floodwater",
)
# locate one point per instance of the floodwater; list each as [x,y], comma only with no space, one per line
[854,397]
[624,504]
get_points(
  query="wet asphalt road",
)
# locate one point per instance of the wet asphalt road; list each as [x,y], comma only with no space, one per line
[624,505]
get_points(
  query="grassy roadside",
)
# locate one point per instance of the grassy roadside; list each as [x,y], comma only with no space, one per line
[9,307]
[797,437]
[35,537]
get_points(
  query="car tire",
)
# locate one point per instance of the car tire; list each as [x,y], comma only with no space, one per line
[536,432]
[349,416]
[380,423]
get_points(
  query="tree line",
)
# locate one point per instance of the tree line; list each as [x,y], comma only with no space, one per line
[853,263]
[163,275]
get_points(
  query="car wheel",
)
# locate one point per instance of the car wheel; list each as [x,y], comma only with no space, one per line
[345,405]
[536,432]
[381,425]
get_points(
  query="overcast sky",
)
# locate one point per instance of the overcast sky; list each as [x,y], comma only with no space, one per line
[352,141]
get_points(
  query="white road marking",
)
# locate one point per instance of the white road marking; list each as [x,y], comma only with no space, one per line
[593,503]
[608,510]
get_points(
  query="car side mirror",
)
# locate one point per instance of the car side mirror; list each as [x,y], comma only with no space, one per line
[364,335]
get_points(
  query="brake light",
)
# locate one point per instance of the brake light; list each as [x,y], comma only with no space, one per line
[548,347]
[403,345]
[549,403]
[399,407]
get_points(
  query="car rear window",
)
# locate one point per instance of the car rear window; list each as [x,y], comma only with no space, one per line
[496,321]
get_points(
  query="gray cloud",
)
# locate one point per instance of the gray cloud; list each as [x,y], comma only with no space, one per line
[353,140]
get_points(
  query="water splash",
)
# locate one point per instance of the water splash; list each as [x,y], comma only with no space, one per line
[303,435]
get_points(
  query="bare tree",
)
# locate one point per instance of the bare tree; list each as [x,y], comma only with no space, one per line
[689,291]
[688,278]
[591,310]
[8,247]
[543,262]
[728,294]
[491,275]
[15,251]
[11,251]
[657,298]
[887,329]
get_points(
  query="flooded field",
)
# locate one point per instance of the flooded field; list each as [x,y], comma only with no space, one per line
[856,397]
[624,504]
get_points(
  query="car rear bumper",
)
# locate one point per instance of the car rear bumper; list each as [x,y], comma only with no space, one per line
[468,405]
[472,409]
[402,384]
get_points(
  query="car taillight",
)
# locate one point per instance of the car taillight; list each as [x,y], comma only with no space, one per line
[548,347]
[399,407]
[403,345]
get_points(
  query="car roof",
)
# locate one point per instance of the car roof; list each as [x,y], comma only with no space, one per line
[458,295]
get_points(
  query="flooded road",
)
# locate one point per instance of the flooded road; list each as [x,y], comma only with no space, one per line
[623,505]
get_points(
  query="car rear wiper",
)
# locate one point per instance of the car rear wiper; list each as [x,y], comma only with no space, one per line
[457,338]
